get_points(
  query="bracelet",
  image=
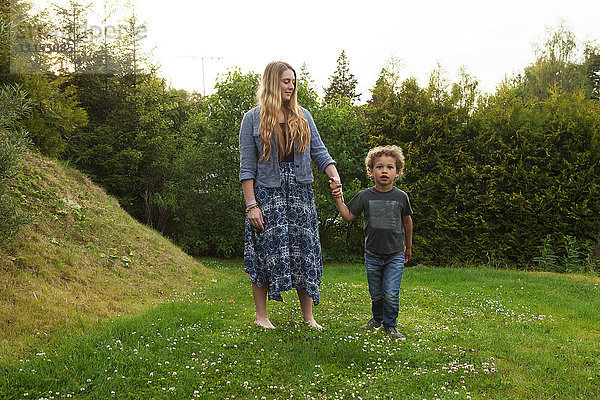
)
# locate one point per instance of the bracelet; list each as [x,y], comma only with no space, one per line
[252,207]
[250,202]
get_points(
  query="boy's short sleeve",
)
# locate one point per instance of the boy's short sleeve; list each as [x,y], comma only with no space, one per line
[406,208]
[356,205]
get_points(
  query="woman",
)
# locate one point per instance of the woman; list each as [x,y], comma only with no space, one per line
[278,140]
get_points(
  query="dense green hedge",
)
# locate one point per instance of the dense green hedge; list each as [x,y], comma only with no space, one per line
[490,183]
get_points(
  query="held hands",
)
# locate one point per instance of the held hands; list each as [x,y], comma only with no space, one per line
[336,187]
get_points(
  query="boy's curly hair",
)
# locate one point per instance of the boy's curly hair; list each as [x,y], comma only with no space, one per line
[390,151]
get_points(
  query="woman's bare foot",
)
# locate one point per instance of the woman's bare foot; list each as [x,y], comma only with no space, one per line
[313,324]
[306,303]
[264,323]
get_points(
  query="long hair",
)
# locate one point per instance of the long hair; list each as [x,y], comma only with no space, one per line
[270,101]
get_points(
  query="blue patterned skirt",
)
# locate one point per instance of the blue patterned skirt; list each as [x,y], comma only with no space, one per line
[288,253]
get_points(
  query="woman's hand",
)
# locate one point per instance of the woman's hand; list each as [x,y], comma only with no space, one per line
[255,218]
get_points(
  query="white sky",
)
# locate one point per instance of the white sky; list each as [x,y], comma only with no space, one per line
[490,39]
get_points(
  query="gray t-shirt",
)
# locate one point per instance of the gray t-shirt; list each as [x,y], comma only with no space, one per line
[383,212]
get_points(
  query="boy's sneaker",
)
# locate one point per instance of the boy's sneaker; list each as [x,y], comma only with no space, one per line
[393,332]
[373,323]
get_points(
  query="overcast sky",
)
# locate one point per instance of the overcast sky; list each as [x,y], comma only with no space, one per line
[490,39]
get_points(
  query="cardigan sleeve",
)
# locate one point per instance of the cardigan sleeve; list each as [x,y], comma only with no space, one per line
[248,151]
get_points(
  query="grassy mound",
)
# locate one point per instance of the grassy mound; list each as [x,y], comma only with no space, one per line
[80,259]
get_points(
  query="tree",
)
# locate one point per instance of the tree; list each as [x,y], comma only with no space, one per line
[342,82]
[592,70]
[134,60]
[116,65]
[130,152]
[307,95]
[55,113]
[556,68]
[72,24]
[104,58]
[23,48]
[387,82]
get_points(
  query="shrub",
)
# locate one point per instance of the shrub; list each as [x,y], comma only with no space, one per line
[13,143]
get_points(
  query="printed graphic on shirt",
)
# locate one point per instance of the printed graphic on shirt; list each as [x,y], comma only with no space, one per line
[384,214]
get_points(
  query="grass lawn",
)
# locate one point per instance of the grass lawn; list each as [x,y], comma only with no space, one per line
[471,334]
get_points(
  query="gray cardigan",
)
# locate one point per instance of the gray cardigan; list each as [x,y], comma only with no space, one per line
[266,173]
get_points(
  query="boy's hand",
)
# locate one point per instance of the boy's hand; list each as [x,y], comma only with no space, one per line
[336,187]
[407,254]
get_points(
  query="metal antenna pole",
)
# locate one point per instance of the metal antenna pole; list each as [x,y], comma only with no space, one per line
[206,58]
[202,58]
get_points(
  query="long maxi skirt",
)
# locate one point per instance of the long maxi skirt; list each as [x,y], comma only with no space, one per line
[288,253]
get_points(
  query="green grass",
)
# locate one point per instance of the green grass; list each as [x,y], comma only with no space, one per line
[471,333]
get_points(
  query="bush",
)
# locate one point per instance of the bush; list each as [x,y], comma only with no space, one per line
[13,143]
[568,254]
[208,201]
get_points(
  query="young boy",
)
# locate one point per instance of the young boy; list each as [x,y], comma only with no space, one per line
[388,233]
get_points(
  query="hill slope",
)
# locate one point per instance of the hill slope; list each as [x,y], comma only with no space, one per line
[81,258]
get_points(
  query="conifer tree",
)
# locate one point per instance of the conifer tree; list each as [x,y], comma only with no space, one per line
[307,95]
[72,25]
[342,82]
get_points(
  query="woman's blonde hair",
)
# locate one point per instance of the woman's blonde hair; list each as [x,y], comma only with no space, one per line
[270,101]
[390,151]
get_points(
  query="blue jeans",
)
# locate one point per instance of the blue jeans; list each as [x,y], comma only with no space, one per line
[384,274]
